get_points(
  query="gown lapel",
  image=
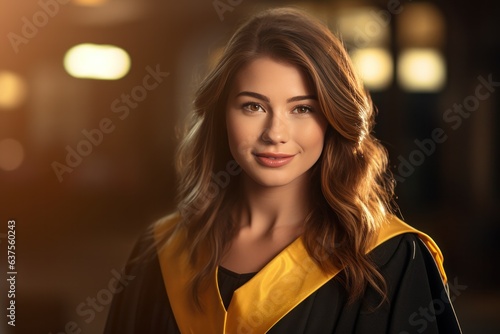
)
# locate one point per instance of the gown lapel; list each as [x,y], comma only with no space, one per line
[274,291]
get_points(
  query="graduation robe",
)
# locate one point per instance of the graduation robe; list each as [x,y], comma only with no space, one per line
[290,294]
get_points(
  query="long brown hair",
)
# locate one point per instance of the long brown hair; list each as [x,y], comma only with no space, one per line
[350,183]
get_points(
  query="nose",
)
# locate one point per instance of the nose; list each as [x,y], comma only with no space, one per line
[276,131]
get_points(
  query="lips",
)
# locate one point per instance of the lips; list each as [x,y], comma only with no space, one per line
[273,160]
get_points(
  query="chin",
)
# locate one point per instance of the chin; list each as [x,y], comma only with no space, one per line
[273,179]
[272,183]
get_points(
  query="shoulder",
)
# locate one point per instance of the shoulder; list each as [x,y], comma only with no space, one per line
[405,245]
[395,237]
[415,284]
[408,267]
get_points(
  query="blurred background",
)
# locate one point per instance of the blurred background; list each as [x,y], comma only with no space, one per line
[91,93]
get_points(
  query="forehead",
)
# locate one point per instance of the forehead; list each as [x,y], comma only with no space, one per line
[272,77]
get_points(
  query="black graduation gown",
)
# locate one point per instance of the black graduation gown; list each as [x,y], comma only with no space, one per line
[418,301]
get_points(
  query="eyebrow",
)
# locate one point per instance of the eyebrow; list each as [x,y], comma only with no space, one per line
[268,100]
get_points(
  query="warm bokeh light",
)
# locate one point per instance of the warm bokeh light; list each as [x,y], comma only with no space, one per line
[375,67]
[92,61]
[11,154]
[420,25]
[363,27]
[421,70]
[89,3]
[13,90]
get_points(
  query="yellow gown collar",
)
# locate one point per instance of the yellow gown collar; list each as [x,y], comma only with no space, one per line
[274,291]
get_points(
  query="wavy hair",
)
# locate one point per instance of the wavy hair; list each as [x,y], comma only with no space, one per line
[351,186]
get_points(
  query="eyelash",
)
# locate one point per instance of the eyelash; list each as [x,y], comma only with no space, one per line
[247,105]
[309,108]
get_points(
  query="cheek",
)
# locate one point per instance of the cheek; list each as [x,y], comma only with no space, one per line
[241,135]
[232,132]
[313,137]
[233,144]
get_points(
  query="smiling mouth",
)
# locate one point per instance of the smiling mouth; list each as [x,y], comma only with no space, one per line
[273,160]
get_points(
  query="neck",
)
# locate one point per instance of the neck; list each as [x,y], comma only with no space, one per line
[266,211]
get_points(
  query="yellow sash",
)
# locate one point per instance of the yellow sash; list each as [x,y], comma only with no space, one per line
[274,291]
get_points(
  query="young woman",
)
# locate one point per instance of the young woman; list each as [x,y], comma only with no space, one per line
[284,220]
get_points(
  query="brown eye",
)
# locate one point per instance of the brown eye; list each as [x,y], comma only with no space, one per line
[253,107]
[302,110]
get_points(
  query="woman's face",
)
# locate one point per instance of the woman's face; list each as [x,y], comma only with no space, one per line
[274,125]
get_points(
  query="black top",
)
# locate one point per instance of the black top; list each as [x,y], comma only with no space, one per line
[418,302]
